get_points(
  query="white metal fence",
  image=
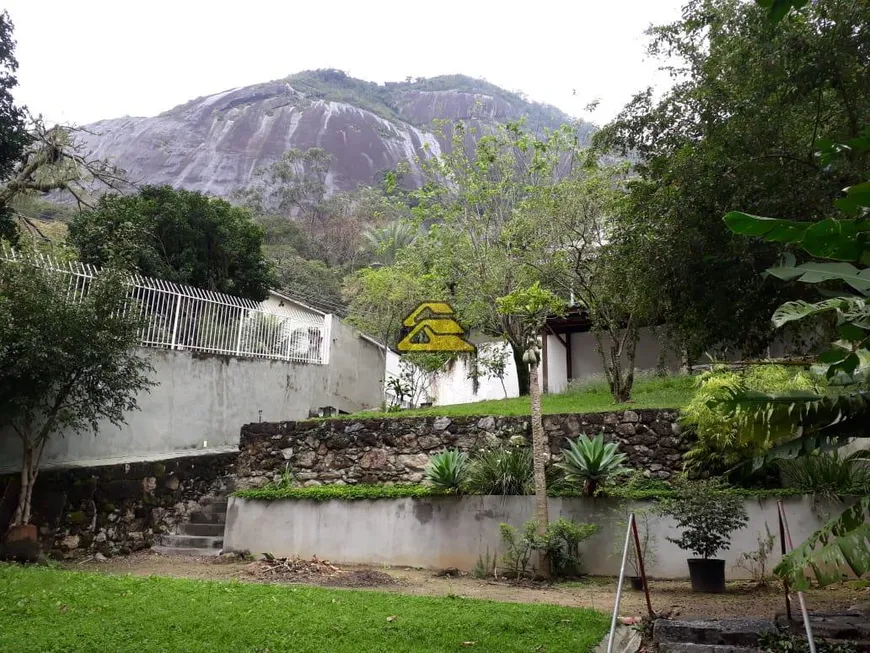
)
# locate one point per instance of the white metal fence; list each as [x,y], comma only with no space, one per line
[176,316]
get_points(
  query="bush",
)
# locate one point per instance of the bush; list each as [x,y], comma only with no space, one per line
[447,470]
[720,444]
[706,515]
[338,492]
[829,473]
[505,470]
[591,461]
[561,543]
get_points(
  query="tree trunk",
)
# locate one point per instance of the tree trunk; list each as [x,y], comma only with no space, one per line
[29,463]
[522,370]
[619,375]
[540,451]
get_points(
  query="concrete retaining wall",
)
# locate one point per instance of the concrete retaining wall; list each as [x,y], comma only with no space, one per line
[203,399]
[437,533]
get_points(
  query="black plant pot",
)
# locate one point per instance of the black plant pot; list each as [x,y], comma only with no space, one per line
[707,575]
[636,583]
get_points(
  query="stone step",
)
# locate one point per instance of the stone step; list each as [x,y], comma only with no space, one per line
[208,518]
[674,647]
[184,551]
[215,507]
[715,632]
[191,541]
[210,530]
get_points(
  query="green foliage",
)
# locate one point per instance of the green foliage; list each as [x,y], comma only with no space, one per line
[830,473]
[706,517]
[339,492]
[724,440]
[13,126]
[176,235]
[591,461]
[485,566]
[756,562]
[503,469]
[65,366]
[386,242]
[447,470]
[784,641]
[561,542]
[52,610]
[842,543]
[738,130]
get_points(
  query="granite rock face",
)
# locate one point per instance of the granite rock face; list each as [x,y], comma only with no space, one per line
[214,144]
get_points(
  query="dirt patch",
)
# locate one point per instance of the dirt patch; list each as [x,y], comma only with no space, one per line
[742,599]
[314,572]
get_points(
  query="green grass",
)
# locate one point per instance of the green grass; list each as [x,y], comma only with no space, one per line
[46,610]
[590,397]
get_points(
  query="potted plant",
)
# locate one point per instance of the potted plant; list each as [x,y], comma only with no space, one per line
[707,515]
[648,545]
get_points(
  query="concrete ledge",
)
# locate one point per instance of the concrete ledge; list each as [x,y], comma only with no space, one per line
[442,532]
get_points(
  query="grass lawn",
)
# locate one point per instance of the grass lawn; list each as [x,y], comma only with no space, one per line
[46,610]
[590,397]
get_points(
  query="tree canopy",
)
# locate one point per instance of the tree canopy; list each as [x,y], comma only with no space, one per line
[738,128]
[176,235]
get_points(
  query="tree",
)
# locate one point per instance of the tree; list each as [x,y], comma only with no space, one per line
[386,242]
[295,185]
[738,128]
[13,121]
[65,365]
[810,421]
[176,235]
[568,234]
[469,200]
[529,308]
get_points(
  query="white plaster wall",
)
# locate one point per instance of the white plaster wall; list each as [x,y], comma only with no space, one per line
[202,401]
[438,533]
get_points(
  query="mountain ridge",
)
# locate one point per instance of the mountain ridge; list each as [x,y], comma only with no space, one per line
[215,143]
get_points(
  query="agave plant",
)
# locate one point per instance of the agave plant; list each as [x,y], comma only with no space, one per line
[447,470]
[591,461]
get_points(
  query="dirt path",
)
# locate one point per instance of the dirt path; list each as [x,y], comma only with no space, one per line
[595,592]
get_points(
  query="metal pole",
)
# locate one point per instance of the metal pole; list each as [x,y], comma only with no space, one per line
[801,600]
[784,551]
[619,585]
[641,567]
[175,322]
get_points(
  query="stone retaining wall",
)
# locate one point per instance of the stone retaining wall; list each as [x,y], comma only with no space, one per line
[396,450]
[116,509]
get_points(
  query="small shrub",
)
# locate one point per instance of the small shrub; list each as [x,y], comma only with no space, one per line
[782,641]
[706,515]
[589,462]
[756,562]
[518,547]
[828,473]
[648,541]
[447,470]
[485,566]
[505,470]
[562,543]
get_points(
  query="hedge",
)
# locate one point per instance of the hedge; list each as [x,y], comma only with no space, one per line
[374,491]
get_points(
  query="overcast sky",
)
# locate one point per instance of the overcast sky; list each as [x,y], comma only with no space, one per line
[83,60]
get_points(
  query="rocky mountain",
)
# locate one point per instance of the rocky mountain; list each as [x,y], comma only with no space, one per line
[214,144]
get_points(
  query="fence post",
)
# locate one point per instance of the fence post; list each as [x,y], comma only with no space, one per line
[175,322]
[241,328]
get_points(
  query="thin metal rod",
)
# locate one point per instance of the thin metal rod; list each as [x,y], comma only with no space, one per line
[806,617]
[784,551]
[640,566]
[619,585]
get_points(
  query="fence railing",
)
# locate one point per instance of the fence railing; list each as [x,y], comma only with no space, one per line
[181,317]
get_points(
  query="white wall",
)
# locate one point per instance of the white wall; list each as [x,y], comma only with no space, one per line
[438,533]
[202,401]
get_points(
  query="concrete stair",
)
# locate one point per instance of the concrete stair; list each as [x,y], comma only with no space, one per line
[709,635]
[203,535]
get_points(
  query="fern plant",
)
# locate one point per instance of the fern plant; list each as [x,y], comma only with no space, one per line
[447,470]
[592,461]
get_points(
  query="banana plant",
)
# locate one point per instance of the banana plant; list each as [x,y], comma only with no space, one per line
[591,461]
